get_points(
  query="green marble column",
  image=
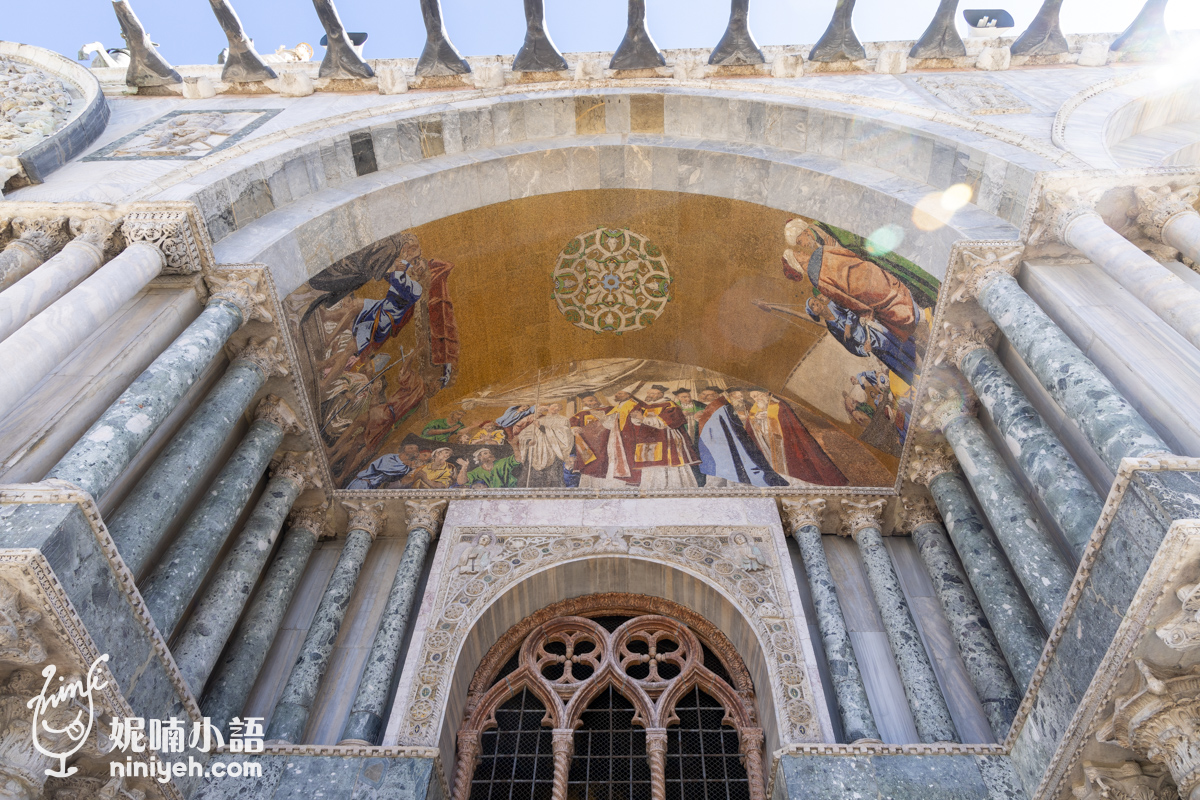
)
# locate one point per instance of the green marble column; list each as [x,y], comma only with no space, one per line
[295,703]
[366,716]
[804,520]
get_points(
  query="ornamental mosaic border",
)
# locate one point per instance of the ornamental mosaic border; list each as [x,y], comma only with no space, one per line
[264,115]
[812,490]
[701,550]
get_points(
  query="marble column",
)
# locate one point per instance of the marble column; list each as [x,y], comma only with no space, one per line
[861,519]
[239,666]
[41,344]
[1039,565]
[295,703]
[804,522]
[171,586]
[977,645]
[103,453]
[750,745]
[1041,457]
[468,760]
[1014,621]
[143,518]
[34,241]
[217,611]
[1169,216]
[562,744]
[365,723]
[1111,425]
[40,288]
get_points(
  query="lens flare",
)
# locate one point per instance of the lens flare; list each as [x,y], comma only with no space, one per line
[884,240]
[956,197]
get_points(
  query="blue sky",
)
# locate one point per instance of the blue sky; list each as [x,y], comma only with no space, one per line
[188,33]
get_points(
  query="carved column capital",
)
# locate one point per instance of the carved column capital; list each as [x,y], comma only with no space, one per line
[985,263]
[240,289]
[298,467]
[276,410]
[311,519]
[563,741]
[19,638]
[1125,781]
[1182,630]
[170,232]
[929,462]
[860,513]
[426,515]
[804,511]
[1159,206]
[1057,213]
[1160,719]
[47,235]
[920,510]
[955,343]
[365,515]
[943,406]
[96,231]
[266,355]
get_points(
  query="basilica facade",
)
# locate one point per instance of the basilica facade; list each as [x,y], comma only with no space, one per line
[794,422]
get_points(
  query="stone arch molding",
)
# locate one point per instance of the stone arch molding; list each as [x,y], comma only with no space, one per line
[482,568]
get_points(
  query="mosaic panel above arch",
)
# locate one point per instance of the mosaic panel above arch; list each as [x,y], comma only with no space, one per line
[616,340]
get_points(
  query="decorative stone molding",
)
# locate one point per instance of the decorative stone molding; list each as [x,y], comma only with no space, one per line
[240,288]
[954,343]
[860,513]
[799,513]
[1057,212]
[1126,781]
[298,467]
[1182,631]
[920,510]
[312,518]
[19,639]
[48,234]
[425,515]
[171,232]
[973,94]
[274,409]
[1161,719]
[929,462]
[266,355]
[942,406]
[984,264]
[365,515]
[96,231]
[1160,205]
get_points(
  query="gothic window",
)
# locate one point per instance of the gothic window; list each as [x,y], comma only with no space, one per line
[608,707]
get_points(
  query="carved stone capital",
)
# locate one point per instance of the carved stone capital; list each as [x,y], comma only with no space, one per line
[943,406]
[986,263]
[1160,719]
[562,741]
[96,231]
[240,289]
[311,519]
[266,355]
[19,638]
[22,768]
[426,515]
[171,233]
[1125,781]
[365,515]
[920,510]
[1156,207]
[1058,211]
[298,467]
[860,513]
[47,235]
[802,512]
[1182,630]
[955,343]
[275,410]
[929,462]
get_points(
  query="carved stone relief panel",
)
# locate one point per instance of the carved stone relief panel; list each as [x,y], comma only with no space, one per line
[186,135]
[969,94]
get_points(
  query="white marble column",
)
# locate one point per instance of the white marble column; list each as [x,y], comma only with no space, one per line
[1169,216]
[34,241]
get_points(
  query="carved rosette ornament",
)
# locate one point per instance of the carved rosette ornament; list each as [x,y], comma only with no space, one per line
[1159,206]
[1160,719]
[425,515]
[804,513]
[929,462]
[275,410]
[984,264]
[1058,212]
[298,467]
[365,515]
[19,638]
[170,232]
[861,513]
[240,289]
[943,406]
[956,342]
[311,518]
[1125,781]
[266,355]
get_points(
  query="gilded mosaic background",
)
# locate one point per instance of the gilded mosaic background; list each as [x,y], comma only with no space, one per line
[615,339]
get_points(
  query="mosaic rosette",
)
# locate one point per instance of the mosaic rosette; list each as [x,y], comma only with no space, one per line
[611,281]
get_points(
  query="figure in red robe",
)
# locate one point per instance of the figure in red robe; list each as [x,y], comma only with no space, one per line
[662,453]
[787,444]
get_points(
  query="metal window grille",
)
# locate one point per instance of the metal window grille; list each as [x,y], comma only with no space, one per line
[610,753]
[516,758]
[703,762]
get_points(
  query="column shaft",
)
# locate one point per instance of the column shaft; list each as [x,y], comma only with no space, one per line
[213,619]
[1183,233]
[1041,568]
[1112,426]
[1162,291]
[929,710]
[1058,480]
[179,573]
[291,713]
[99,458]
[21,256]
[41,344]
[238,670]
[38,290]
[848,689]
[366,716]
[981,655]
[1013,620]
